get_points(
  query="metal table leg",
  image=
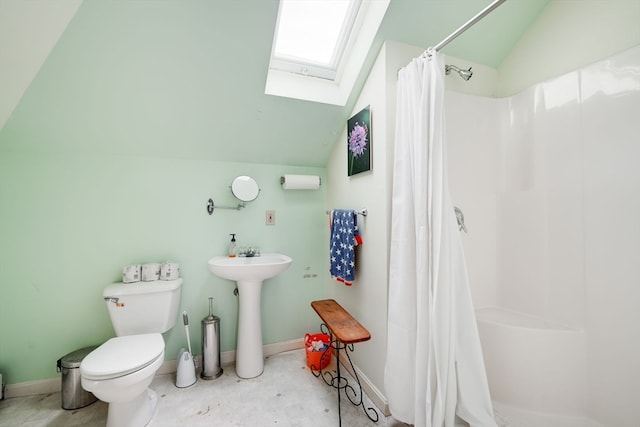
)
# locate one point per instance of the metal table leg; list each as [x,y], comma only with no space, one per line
[341,383]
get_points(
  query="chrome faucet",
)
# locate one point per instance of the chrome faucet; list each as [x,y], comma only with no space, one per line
[250,252]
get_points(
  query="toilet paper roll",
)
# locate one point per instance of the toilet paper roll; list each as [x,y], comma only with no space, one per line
[150,272]
[131,273]
[169,271]
[300,182]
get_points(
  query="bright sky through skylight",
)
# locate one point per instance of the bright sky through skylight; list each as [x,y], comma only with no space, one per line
[310,29]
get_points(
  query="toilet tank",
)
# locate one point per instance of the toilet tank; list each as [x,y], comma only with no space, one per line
[143,307]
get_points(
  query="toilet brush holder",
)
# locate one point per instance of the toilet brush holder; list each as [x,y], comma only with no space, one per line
[186,369]
[211,368]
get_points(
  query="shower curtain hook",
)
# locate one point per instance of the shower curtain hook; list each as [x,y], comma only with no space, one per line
[429,53]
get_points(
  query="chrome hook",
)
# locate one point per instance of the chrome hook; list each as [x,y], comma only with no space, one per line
[460,219]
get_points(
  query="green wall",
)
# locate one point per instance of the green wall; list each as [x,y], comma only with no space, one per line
[109,159]
[69,223]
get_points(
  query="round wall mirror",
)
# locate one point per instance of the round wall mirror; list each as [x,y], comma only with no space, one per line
[245,188]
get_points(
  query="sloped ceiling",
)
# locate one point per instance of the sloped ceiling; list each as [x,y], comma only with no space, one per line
[186,78]
[28,32]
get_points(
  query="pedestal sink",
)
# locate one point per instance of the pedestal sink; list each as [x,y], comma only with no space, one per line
[249,273]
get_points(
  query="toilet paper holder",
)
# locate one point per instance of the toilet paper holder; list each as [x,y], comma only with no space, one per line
[300,182]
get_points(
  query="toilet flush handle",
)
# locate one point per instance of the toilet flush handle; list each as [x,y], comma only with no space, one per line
[114,300]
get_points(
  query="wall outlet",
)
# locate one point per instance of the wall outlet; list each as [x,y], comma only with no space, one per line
[270,218]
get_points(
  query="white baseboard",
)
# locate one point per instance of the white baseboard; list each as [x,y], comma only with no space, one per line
[229,357]
[53,385]
[368,387]
[31,388]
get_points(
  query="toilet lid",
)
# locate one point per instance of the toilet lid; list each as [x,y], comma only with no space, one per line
[122,355]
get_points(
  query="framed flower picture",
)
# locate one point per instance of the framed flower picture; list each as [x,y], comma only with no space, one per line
[359,142]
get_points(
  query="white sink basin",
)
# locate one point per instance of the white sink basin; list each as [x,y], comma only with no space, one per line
[257,268]
[249,273]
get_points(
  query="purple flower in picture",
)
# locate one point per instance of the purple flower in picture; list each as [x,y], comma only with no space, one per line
[359,142]
[358,139]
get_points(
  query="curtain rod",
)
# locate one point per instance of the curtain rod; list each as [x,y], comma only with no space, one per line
[484,12]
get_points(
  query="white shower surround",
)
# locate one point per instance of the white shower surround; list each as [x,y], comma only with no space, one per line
[533,363]
[536,175]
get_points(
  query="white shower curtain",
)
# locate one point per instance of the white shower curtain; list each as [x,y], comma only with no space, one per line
[434,368]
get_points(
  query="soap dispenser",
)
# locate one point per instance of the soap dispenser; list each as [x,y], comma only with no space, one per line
[232,246]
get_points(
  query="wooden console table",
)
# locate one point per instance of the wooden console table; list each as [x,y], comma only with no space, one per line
[344,331]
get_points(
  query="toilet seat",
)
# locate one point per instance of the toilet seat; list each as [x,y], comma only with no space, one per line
[121,356]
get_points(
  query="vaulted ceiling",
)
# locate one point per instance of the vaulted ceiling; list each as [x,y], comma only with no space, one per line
[186,78]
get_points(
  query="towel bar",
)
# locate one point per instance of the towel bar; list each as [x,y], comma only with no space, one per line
[362,212]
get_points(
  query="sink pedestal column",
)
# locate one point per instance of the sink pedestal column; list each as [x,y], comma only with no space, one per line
[249,355]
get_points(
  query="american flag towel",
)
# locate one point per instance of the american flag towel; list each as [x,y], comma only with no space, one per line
[344,239]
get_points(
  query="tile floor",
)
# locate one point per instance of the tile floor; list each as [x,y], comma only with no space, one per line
[286,394]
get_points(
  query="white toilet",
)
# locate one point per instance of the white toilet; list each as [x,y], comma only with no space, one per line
[120,370]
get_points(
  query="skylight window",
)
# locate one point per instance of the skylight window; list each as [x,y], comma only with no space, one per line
[312,35]
[320,46]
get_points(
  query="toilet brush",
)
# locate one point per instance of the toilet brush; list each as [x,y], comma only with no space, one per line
[186,369]
[185,320]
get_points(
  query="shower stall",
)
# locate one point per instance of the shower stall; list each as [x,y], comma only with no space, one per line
[550,187]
